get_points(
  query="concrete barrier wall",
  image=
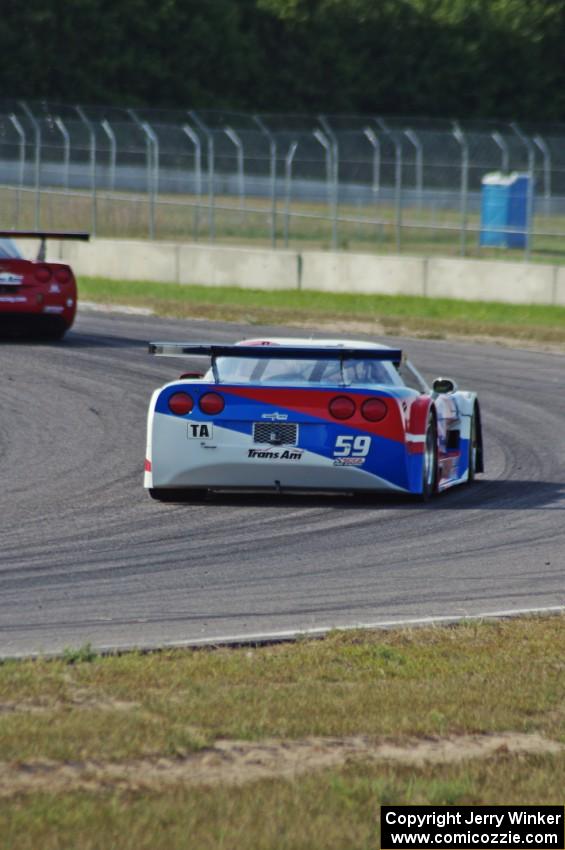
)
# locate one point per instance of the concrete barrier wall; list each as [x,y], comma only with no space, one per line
[219,265]
[480,280]
[363,273]
[173,262]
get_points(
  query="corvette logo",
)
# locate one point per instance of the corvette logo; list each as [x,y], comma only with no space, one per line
[275,417]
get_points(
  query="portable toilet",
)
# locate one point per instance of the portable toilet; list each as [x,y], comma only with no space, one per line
[494,209]
[504,210]
[517,214]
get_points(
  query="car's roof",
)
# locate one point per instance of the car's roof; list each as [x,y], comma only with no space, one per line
[317,343]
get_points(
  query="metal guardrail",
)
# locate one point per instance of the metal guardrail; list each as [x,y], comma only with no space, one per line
[333,181]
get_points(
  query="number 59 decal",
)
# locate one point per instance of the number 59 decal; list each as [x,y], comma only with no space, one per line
[346,446]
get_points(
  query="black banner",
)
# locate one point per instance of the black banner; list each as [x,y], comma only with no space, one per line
[477,827]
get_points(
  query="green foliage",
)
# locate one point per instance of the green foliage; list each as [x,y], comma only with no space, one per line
[82,655]
[454,58]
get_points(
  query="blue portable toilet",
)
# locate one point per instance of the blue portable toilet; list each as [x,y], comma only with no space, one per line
[494,209]
[504,210]
[517,215]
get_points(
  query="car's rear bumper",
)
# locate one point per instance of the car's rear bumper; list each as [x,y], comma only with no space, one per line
[65,314]
[231,460]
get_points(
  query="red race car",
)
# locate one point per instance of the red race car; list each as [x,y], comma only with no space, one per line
[37,297]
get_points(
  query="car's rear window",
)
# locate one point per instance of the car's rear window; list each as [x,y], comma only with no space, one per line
[277,372]
[8,250]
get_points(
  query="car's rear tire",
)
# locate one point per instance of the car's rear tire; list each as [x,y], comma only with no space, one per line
[54,334]
[177,494]
[429,462]
[473,458]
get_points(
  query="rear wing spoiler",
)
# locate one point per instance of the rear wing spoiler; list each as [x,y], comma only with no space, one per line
[279,352]
[43,236]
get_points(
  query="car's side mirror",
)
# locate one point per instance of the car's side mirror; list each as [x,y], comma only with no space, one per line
[444,385]
[191,375]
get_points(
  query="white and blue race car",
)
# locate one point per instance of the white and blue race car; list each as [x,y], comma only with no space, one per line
[288,415]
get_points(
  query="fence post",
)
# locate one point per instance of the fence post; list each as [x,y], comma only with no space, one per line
[371,136]
[37,168]
[273,176]
[67,148]
[288,177]
[188,131]
[335,175]
[235,140]
[397,179]
[211,194]
[542,145]
[527,142]
[151,165]
[22,136]
[153,173]
[460,137]
[113,150]
[92,134]
[319,136]
[413,138]
[499,140]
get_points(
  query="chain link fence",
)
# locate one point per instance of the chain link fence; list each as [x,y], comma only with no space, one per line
[364,183]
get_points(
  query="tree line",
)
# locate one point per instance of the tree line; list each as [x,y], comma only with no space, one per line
[449,58]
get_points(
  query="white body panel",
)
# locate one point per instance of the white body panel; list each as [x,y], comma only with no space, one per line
[225,462]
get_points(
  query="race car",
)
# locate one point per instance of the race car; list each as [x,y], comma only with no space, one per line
[288,415]
[37,297]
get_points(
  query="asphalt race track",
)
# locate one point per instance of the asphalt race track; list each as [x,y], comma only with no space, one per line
[87,556]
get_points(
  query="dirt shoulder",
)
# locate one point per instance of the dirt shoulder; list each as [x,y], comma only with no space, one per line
[231,762]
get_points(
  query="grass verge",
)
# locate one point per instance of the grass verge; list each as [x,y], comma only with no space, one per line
[383,313]
[109,721]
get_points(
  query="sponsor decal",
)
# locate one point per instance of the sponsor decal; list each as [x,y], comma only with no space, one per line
[275,417]
[13,299]
[10,277]
[54,288]
[53,309]
[200,430]
[349,461]
[270,454]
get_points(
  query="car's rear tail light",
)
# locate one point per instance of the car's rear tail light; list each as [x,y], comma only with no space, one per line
[43,274]
[342,407]
[62,275]
[374,409]
[211,403]
[180,403]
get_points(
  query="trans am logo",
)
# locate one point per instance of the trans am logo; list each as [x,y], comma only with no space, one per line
[275,417]
[270,454]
